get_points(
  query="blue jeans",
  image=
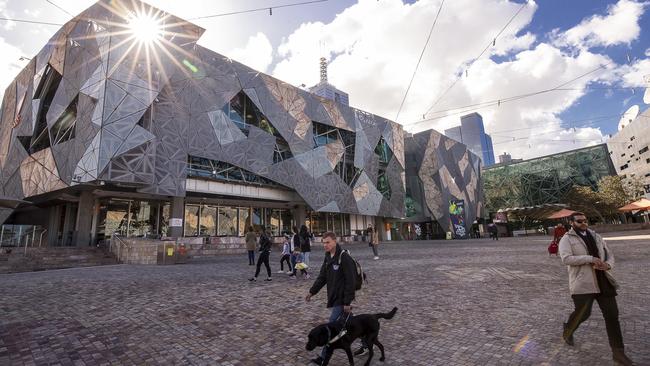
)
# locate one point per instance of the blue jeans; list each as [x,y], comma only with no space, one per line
[337,311]
[305,256]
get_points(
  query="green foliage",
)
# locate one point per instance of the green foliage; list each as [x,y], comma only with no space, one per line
[613,192]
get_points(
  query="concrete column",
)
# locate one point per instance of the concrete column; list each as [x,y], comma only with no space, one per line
[299,215]
[85,213]
[176,211]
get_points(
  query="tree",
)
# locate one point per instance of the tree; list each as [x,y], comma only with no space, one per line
[613,192]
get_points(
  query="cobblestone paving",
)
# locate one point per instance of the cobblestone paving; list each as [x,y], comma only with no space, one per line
[473,302]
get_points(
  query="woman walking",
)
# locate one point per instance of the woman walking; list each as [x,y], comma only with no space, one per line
[373,240]
[265,252]
[305,244]
[251,243]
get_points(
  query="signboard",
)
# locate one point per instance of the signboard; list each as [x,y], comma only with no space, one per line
[175,222]
[457,218]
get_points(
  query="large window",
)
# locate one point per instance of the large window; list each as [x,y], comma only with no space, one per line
[244,113]
[192,220]
[219,170]
[325,134]
[63,128]
[45,92]
[244,220]
[227,224]
[208,224]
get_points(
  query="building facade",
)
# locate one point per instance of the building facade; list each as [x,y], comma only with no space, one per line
[546,179]
[108,135]
[471,132]
[443,188]
[629,150]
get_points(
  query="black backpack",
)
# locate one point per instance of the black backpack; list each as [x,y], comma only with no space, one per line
[360,275]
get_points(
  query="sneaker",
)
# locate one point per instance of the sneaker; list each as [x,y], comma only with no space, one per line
[280,271]
[288,272]
[292,277]
[252,279]
[318,360]
[268,279]
[567,339]
[361,351]
[376,257]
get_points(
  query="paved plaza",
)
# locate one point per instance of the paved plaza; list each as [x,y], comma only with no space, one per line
[473,302]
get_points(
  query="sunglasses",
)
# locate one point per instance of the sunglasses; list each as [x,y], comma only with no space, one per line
[581,221]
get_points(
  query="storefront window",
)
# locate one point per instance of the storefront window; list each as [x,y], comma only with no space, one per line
[275,222]
[208,225]
[143,219]
[257,219]
[164,219]
[287,221]
[318,223]
[227,221]
[244,222]
[191,220]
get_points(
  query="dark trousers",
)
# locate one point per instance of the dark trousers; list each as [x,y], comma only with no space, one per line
[374,249]
[285,258]
[608,307]
[251,257]
[264,258]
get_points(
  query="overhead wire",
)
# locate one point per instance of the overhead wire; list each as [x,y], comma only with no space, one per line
[266,8]
[419,60]
[492,42]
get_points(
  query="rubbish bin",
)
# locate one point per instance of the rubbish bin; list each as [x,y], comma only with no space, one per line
[449,235]
[167,253]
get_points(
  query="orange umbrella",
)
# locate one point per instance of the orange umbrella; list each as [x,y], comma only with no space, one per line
[561,214]
[642,204]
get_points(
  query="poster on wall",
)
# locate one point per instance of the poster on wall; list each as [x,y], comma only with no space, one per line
[457,218]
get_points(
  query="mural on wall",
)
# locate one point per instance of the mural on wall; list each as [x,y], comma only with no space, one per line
[99,104]
[457,219]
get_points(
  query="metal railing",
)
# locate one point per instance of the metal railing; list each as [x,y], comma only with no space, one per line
[21,236]
[117,246]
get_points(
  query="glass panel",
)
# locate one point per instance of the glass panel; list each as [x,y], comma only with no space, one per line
[227,221]
[208,221]
[258,219]
[63,128]
[275,222]
[244,214]
[164,219]
[143,219]
[191,220]
[319,223]
[287,221]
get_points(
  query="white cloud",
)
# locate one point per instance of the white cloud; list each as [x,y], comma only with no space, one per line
[257,54]
[619,26]
[9,64]
[374,59]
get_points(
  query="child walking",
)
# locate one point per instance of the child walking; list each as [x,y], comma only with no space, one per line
[286,255]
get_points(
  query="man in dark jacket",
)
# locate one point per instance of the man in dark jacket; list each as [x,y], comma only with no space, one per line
[338,272]
[265,252]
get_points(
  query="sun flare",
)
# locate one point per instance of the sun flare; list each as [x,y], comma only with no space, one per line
[145,29]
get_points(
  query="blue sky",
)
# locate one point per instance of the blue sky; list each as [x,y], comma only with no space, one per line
[373,47]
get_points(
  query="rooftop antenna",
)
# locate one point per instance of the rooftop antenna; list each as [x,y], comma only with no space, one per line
[323,70]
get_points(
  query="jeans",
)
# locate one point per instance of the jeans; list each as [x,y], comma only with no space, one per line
[251,257]
[374,250]
[264,258]
[285,258]
[305,258]
[337,311]
[608,307]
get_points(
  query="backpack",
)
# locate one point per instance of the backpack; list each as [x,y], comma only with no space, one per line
[360,275]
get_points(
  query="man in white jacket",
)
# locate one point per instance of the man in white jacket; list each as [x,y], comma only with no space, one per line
[590,262]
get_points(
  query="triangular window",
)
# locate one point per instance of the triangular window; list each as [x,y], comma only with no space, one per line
[63,128]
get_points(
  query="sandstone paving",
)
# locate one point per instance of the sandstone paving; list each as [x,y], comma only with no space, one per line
[471,302]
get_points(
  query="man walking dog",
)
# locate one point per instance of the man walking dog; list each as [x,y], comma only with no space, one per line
[338,272]
[589,262]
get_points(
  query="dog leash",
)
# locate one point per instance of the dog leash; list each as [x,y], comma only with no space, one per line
[341,333]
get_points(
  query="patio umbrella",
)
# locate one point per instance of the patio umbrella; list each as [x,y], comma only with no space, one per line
[640,205]
[561,214]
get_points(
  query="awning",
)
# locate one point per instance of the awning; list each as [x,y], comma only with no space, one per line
[9,202]
[539,212]
[640,205]
[561,214]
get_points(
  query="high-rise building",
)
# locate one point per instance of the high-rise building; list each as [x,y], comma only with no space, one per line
[629,148]
[327,90]
[472,133]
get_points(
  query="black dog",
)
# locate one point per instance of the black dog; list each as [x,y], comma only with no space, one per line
[364,326]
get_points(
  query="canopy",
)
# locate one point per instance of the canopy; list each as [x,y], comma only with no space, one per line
[561,214]
[642,204]
[10,202]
